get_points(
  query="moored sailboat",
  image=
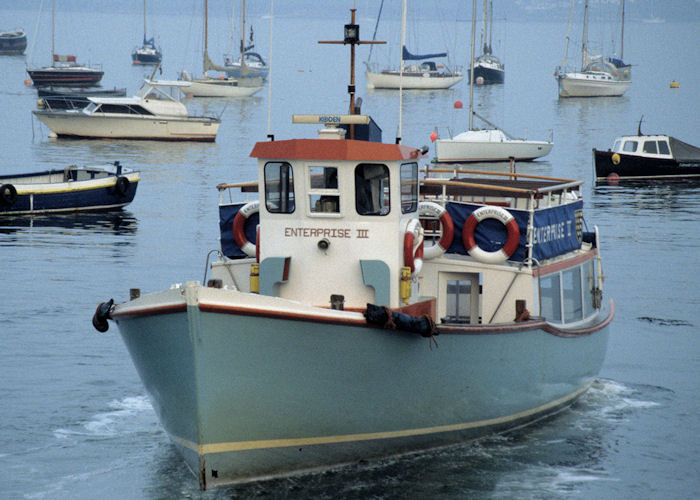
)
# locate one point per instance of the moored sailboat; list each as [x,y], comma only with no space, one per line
[223,86]
[64,70]
[332,331]
[484,145]
[487,67]
[597,77]
[148,53]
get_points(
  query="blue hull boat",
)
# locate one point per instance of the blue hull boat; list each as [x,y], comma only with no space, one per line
[94,187]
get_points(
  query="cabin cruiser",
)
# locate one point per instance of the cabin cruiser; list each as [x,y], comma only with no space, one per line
[152,113]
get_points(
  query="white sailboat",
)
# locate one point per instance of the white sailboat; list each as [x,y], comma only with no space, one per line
[419,75]
[249,63]
[484,145]
[598,77]
[221,86]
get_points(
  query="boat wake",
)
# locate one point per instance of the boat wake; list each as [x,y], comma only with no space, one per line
[132,414]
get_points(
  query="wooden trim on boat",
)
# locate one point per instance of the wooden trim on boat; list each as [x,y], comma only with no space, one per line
[564,264]
[138,312]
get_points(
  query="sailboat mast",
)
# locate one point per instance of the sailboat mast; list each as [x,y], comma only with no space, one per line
[401,67]
[568,35]
[490,25]
[485,26]
[244,70]
[622,33]
[53,29]
[584,46]
[144,20]
[471,68]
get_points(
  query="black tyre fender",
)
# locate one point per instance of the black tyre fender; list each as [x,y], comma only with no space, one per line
[8,194]
[121,186]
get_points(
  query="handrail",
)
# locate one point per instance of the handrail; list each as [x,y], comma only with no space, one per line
[440,182]
[504,174]
[224,185]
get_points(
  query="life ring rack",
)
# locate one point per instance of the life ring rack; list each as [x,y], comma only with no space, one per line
[491,212]
[250,208]
[413,246]
[432,209]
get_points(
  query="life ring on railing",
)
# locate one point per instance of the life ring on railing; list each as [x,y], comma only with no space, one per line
[448,229]
[413,246]
[491,212]
[8,194]
[239,228]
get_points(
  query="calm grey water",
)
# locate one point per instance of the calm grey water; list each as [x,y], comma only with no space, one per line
[74,418]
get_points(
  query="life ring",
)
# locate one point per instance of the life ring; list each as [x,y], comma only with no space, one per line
[8,194]
[239,227]
[429,208]
[413,246]
[121,185]
[615,158]
[491,212]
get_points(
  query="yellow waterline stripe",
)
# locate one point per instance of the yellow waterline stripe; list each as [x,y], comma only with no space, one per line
[283,443]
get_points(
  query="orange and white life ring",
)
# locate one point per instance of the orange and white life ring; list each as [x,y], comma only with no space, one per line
[431,209]
[491,212]
[413,246]
[239,228]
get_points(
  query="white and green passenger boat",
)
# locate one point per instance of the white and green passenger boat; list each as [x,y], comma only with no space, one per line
[365,306]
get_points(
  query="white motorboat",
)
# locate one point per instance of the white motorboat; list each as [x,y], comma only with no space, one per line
[425,75]
[220,86]
[598,77]
[482,145]
[152,113]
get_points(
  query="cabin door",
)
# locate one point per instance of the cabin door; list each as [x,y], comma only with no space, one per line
[460,298]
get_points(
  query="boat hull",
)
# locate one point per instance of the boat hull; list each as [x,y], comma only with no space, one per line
[65,77]
[577,85]
[101,126]
[13,43]
[450,150]
[251,387]
[488,75]
[48,192]
[608,163]
[222,88]
[424,81]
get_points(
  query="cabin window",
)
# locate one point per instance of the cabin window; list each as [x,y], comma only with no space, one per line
[458,301]
[409,187]
[372,189]
[571,288]
[617,145]
[123,109]
[550,298]
[324,196]
[588,286]
[663,148]
[630,146]
[650,147]
[279,188]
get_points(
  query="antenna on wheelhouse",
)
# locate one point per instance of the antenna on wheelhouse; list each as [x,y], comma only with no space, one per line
[352,36]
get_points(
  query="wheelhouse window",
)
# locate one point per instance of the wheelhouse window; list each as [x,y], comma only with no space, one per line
[372,196]
[663,148]
[616,146]
[409,187]
[324,196]
[650,147]
[279,188]
[570,295]
[630,146]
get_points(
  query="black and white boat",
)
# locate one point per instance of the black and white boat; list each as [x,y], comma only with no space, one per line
[642,156]
[148,53]
[487,67]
